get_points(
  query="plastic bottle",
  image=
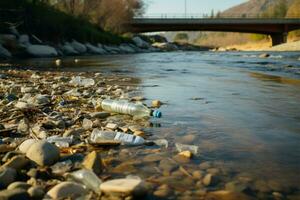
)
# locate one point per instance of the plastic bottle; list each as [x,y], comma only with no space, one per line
[124,138]
[125,107]
[87,177]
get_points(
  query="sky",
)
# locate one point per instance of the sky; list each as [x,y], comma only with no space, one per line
[193,6]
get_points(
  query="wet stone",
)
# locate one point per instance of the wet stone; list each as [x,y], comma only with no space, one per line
[227,195]
[209,180]
[168,165]
[93,162]
[134,187]
[99,115]
[164,191]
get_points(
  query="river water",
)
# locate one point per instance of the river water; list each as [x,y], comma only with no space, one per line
[242,111]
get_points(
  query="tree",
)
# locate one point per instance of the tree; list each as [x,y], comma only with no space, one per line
[294,12]
[212,13]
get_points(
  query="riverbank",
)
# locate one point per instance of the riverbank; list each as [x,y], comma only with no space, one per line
[263,46]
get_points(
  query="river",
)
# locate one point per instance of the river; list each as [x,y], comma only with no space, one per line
[242,111]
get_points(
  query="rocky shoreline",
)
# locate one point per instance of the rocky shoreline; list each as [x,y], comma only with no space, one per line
[23,46]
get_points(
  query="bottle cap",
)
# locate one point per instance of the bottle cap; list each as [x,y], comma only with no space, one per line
[157,114]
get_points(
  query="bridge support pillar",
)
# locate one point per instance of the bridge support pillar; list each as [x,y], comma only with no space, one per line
[279,38]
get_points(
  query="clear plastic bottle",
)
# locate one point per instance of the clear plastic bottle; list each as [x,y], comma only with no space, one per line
[124,138]
[86,177]
[125,107]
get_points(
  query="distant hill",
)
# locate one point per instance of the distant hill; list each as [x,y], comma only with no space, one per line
[252,8]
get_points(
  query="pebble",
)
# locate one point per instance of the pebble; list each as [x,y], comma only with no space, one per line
[140,133]
[264,55]
[99,115]
[156,103]
[18,185]
[205,165]
[7,176]
[236,186]
[209,180]
[227,195]
[87,124]
[16,162]
[134,187]
[93,162]
[164,191]
[111,126]
[168,165]
[43,153]
[26,145]
[23,127]
[197,174]
[22,105]
[66,190]
[36,192]
[186,154]
[15,194]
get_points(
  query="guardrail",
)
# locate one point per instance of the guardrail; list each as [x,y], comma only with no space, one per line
[207,16]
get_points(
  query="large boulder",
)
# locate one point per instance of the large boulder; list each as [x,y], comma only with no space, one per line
[94,50]
[81,48]
[125,48]
[41,51]
[111,49]
[141,43]
[24,40]
[68,50]
[4,53]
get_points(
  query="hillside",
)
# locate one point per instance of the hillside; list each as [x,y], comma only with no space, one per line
[252,8]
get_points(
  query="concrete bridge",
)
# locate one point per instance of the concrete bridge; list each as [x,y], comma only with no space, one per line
[276,28]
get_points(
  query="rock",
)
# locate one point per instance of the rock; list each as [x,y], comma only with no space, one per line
[197,174]
[26,145]
[186,154]
[42,99]
[188,139]
[94,50]
[4,53]
[262,186]
[227,195]
[185,147]
[15,194]
[23,127]
[93,162]
[41,51]
[168,165]
[39,131]
[236,186]
[153,158]
[18,185]
[77,46]
[17,163]
[125,48]
[99,115]
[134,187]
[24,40]
[164,191]
[140,133]
[68,49]
[87,124]
[264,55]
[140,43]
[43,153]
[156,103]
[36,192]
[205,165]
[67,190]
[111,126]
[74,132]
[7,176]
[23,106]
[209,180]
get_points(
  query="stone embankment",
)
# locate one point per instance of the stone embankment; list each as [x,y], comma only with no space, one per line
[16,45]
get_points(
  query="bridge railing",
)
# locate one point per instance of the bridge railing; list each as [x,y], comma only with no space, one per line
[206,16]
